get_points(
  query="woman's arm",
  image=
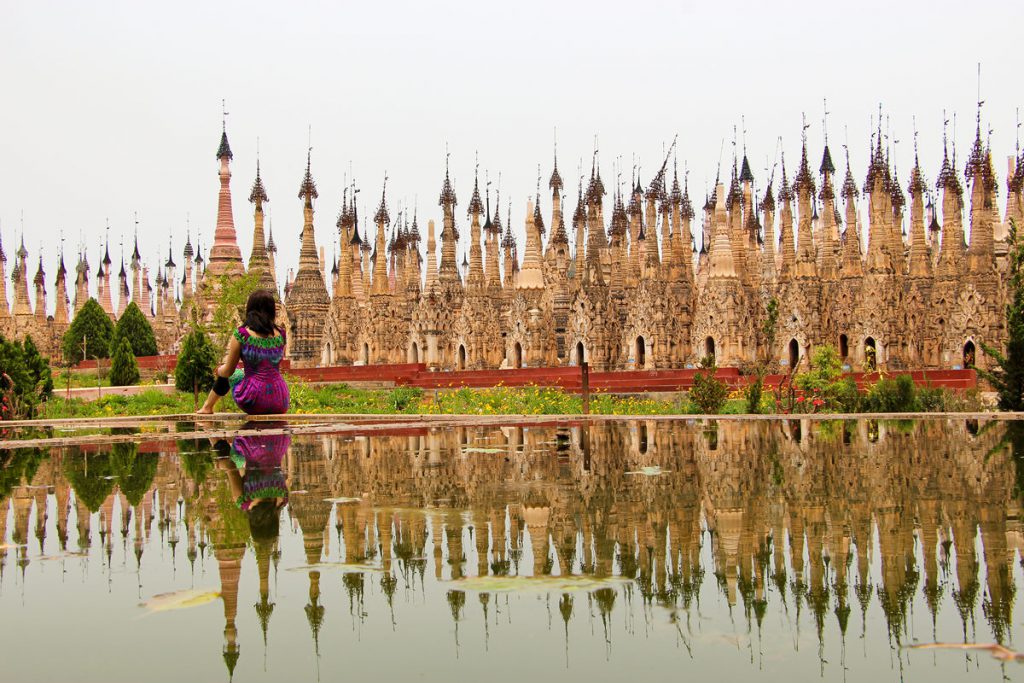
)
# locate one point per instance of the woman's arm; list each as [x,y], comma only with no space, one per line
[230,358]
[234,476]
[224,371]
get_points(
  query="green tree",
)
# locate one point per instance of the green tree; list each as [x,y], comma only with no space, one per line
[134,473]
[17,466]
[708,392]
[825,382]
[230,294]
[133,326]
[93,325]
[90,475]
[196,459]
[124,370]
[755,389]
[1007,377]
[892,395]
[39,369]
[197,361]
[26,378]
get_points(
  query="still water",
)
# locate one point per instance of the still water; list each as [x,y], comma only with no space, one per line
[775,551]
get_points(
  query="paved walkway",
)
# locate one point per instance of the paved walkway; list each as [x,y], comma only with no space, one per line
[93,393]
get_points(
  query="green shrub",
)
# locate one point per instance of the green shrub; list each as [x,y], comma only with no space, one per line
[197,361]
[931,399]
[26,378]
[752,395]
[824,387]
[94,326]
[892,396]
[133,326]
[17,465]
[90,475]
[124,370]
[846,395]
[826,368]
[941,400]
[403,397]
[133,472]
[708,392]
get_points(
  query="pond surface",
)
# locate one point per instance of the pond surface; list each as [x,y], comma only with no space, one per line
[773,551]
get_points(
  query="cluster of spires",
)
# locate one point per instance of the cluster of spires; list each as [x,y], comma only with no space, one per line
[662,199]
[403,245]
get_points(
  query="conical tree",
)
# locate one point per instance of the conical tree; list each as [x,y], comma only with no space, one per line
[134,473]
[89,334]
[20,465]
[90,475]
[196,363]
[27,380]
[196,459]
[133,326]
[124,370]
[39,369]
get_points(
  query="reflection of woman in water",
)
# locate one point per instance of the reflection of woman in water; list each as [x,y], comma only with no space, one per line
[255,467]
[259,389]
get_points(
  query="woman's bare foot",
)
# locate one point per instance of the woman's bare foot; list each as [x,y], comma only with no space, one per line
[204,411]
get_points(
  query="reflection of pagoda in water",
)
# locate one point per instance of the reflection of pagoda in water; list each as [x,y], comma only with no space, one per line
[789,513]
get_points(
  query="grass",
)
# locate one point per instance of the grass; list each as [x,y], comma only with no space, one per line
[150,402]
[340,398]
[87,379]
[542,401]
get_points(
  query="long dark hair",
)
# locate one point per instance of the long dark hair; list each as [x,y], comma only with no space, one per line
[260,311]
[264,521]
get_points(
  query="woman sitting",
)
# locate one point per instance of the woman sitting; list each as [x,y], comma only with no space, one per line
[259,388]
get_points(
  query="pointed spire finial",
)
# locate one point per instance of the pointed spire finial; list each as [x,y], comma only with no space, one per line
[382,215]
[824,119]
[487,192]
[447,192]
[1017,131]
[224,151]
[954,138]
[945,125]
[718,169]
[618,176]
[980,101]
[307,190]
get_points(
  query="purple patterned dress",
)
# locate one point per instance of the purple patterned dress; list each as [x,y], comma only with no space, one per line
[260,389]
[260,456]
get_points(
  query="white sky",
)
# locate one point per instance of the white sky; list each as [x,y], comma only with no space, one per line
[108,108]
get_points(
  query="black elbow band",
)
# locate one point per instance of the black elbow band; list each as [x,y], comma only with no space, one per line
[221,385]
